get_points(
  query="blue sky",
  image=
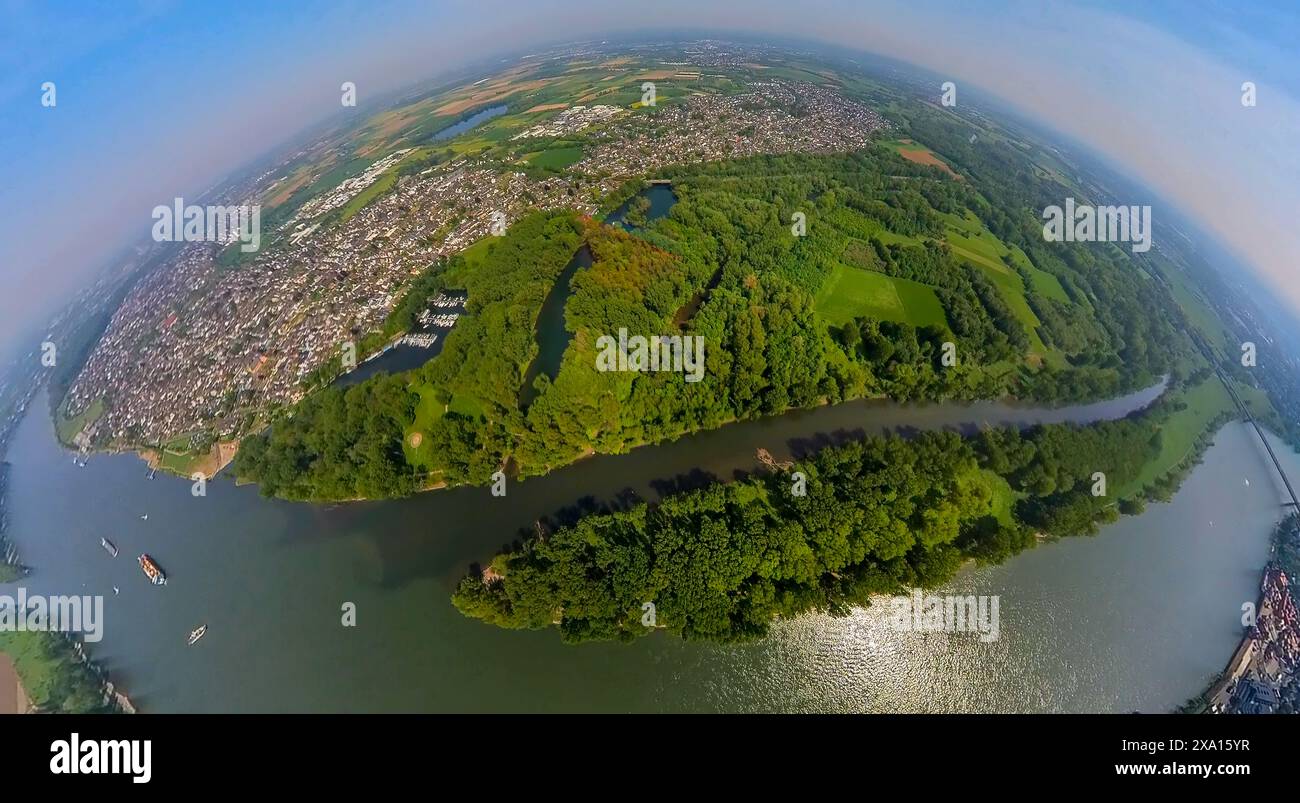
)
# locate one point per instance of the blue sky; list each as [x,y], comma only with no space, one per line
[159,99]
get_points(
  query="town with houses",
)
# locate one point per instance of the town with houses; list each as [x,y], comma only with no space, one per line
[196,347]
[570,121]
[1263,676]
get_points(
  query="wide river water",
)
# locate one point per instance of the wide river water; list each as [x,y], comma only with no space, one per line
[1138,617]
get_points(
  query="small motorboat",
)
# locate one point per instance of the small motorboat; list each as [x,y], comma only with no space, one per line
[145,517]
[108,546]
[197,633]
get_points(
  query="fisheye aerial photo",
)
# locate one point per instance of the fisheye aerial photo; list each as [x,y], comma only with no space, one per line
[873,358]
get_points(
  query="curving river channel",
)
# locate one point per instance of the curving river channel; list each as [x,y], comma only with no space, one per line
[1139,617]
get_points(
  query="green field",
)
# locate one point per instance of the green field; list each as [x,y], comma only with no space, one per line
[971,239]
[180,464]
[175,455]
[1198,311]
[427,410]
[1048,285]
[1002,498]
[466,405]
[852,292]
[381,186]
[68,428]
[1044,283]
[555,158]
[1260,406]
[474,256]
[1179,433]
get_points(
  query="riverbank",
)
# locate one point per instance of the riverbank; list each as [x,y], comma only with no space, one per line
[1002,489]
[54,676]
[209,464]
[43,672]
[1067,643]
[11,569]
[1263,674]
[857,417]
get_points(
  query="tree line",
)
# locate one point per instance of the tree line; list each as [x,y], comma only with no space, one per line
[876,516]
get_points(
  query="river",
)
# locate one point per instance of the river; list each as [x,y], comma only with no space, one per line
[1139,617]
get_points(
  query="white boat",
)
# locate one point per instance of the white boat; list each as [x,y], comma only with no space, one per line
[108,546]
[145,517]
[197,633]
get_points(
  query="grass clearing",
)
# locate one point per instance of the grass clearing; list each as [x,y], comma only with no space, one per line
[474,257]
[556,158]
[419,451]
[183,464]
[852,292]
[466,405]
[1002,498]
[68,428]
[1045,284]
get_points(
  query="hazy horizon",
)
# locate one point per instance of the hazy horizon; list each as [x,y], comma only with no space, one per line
[158,100]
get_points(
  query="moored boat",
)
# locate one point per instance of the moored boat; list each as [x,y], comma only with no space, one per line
[152,570]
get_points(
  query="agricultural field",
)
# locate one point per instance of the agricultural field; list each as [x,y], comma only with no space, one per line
[1198,311]
[916,152]
[853,292]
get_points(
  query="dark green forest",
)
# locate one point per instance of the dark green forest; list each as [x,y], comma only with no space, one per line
[878,516]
